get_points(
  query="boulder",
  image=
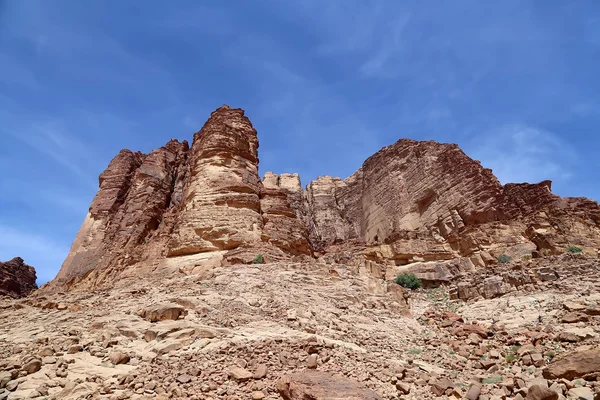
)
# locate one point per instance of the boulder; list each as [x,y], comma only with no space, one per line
[162,312]
[574,365]
[17,279]
[322,386]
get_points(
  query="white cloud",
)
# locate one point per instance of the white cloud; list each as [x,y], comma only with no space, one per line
[521,153]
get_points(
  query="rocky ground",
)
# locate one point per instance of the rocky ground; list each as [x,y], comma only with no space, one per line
[296,330]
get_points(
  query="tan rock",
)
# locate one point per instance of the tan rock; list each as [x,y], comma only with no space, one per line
[537,392]
[32,366]
[118,357]
[474,392]
[574,365]
[260,372]
[240,374]
[322,386]
[162,312]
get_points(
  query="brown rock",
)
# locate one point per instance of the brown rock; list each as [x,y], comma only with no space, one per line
[260,372]
[439,386]
[162,312]
[403,387]
[17,279]
[538,392]
[221,200]
[118,357]
[240,374]
[474,392]
[311,362]
[573,317]
[32,366]
[421,203]
[574,365]
[322,386]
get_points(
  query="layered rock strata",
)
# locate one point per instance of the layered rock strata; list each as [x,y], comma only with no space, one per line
[17,279]
[411,202]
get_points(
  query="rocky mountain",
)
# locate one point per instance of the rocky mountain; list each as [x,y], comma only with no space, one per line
[160,298]
[197,207]
[17,279]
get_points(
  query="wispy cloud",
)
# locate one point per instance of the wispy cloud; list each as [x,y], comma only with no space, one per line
[521,153]
[59,147]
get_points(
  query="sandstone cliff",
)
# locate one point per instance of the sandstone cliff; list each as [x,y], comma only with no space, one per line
[186,209]
[17,279]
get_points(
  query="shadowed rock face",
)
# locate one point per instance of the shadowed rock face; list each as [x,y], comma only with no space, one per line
[17,279]
[410,202]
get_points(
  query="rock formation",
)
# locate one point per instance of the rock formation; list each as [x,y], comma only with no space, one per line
[411,203]
[17,279]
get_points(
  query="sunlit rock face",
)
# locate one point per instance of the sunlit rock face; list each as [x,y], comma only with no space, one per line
[187,209]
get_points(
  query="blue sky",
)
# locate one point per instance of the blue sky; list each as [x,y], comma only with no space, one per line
[326,84]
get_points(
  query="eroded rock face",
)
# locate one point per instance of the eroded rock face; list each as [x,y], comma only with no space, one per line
[131,214]
[17,279]
[418,203]
[221,199]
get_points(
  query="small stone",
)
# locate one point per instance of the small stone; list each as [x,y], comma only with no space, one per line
[291,315]
[474,392]
[12,386]
[240,374]
[311,362]
[539,392]
[75,349]
[260,372]
[185,378]
[581,393]
[117,357]
[439,386]
[258,395]
[32,366]
[46,351]
[403,387]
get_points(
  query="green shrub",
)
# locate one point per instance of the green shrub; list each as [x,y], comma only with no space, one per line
[492,380]
[408,280]
[258,259]
[527,257]
[510,358]
[503,259]
[574,249]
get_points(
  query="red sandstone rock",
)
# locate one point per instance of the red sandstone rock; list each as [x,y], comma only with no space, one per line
[322,386]
[421,203]
[574,365]
[17,279]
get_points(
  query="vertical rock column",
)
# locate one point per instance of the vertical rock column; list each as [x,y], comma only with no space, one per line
[221,203]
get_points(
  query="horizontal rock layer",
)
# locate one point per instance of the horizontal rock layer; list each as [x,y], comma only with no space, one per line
[182,208]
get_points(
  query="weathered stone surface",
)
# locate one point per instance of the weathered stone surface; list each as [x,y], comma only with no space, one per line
[574,365]
[538,392]
[283,213]
[322,386]
[162,312]
[221,200]
[423,205]
[17,279]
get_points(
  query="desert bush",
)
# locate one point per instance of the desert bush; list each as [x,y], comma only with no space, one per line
[258,259]
[503,259]
[574,249]
[408,280]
